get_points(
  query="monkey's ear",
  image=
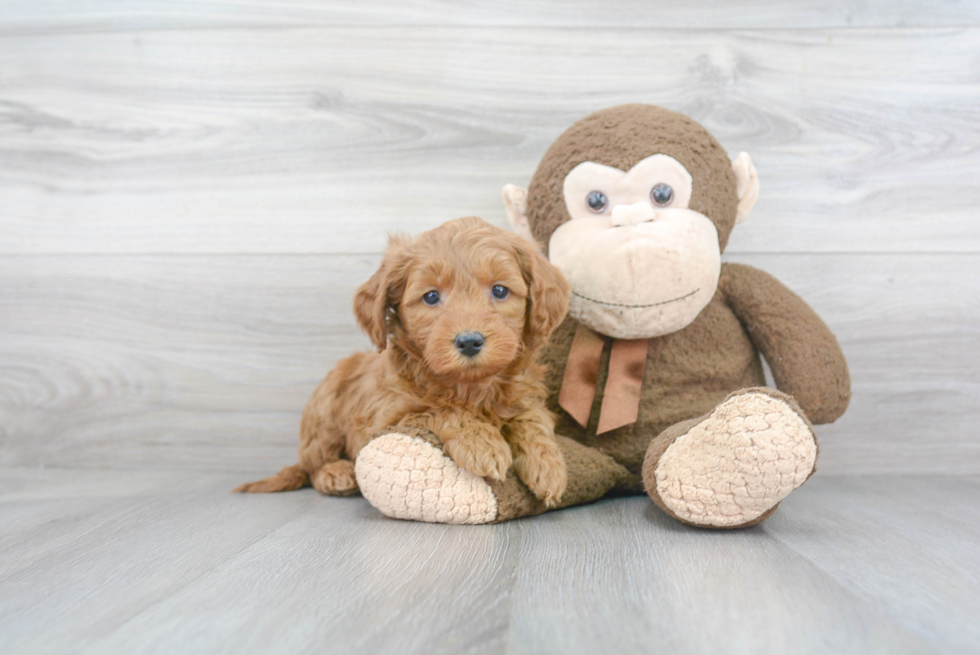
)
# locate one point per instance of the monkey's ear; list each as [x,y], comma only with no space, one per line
[746,185]
[515,204]
[373,299]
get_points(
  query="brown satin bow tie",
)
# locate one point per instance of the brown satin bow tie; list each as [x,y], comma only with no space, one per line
[621,400]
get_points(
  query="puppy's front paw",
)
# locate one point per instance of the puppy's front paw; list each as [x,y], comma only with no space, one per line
[482,456]
[542,469]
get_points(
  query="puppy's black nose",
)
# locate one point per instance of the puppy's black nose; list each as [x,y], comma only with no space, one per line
[469,343]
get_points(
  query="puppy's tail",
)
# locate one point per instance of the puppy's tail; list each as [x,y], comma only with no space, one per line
[288,479]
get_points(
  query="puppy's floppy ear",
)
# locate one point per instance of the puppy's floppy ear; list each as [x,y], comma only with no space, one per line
[547,296]
[376,297]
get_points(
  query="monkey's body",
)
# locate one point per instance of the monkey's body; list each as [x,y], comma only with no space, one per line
[635,204]
[677,387]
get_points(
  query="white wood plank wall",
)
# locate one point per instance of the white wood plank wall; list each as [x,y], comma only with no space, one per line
[191,191]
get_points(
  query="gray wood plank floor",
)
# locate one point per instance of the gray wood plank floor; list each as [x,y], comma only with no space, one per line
[124,562]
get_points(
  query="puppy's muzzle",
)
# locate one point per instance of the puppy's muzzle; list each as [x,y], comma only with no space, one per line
[469,343]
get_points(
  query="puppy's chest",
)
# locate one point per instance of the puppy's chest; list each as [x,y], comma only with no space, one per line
[495,406]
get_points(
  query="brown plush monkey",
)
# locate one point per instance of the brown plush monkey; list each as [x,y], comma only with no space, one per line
[655,374]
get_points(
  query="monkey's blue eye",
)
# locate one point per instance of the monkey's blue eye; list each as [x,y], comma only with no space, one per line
[499,291]
[597,201]
[661,195]
[431,298]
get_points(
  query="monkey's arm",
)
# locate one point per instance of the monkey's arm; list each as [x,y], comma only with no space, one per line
[802,352]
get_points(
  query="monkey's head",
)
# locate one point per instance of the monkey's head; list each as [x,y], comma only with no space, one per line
[634,204]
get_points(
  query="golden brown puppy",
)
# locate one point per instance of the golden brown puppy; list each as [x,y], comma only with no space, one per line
[458,315]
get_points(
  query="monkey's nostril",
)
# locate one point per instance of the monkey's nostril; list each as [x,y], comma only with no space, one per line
[469,343]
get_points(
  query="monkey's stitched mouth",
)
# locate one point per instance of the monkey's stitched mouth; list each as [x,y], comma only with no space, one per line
[617,304]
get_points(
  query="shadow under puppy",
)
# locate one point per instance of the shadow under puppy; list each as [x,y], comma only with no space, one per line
[458,315]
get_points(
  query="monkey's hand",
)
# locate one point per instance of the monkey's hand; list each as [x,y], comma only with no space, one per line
[472,443]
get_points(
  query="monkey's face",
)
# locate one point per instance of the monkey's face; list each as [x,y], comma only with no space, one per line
[634,204]
[640,263]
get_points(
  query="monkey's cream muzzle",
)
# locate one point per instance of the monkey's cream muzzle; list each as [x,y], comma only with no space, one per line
[638,272]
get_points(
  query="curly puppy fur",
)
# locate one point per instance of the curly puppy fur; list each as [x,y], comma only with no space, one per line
[488,409]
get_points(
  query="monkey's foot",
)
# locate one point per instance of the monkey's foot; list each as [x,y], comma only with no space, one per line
[409,477]
[406,474]
[732,467]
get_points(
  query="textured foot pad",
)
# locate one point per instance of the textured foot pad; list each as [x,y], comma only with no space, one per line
[408,478]
[736,464]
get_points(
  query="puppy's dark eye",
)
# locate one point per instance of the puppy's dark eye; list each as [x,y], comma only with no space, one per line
[597,201]
[499,291]
[431,298]
[661,195]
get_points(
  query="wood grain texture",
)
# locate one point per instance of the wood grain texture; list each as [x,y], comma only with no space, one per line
[206,362]
[174,563]
[59,16]
[937,575]
[318,140]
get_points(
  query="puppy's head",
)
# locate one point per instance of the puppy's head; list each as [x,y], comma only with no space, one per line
[466,298]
